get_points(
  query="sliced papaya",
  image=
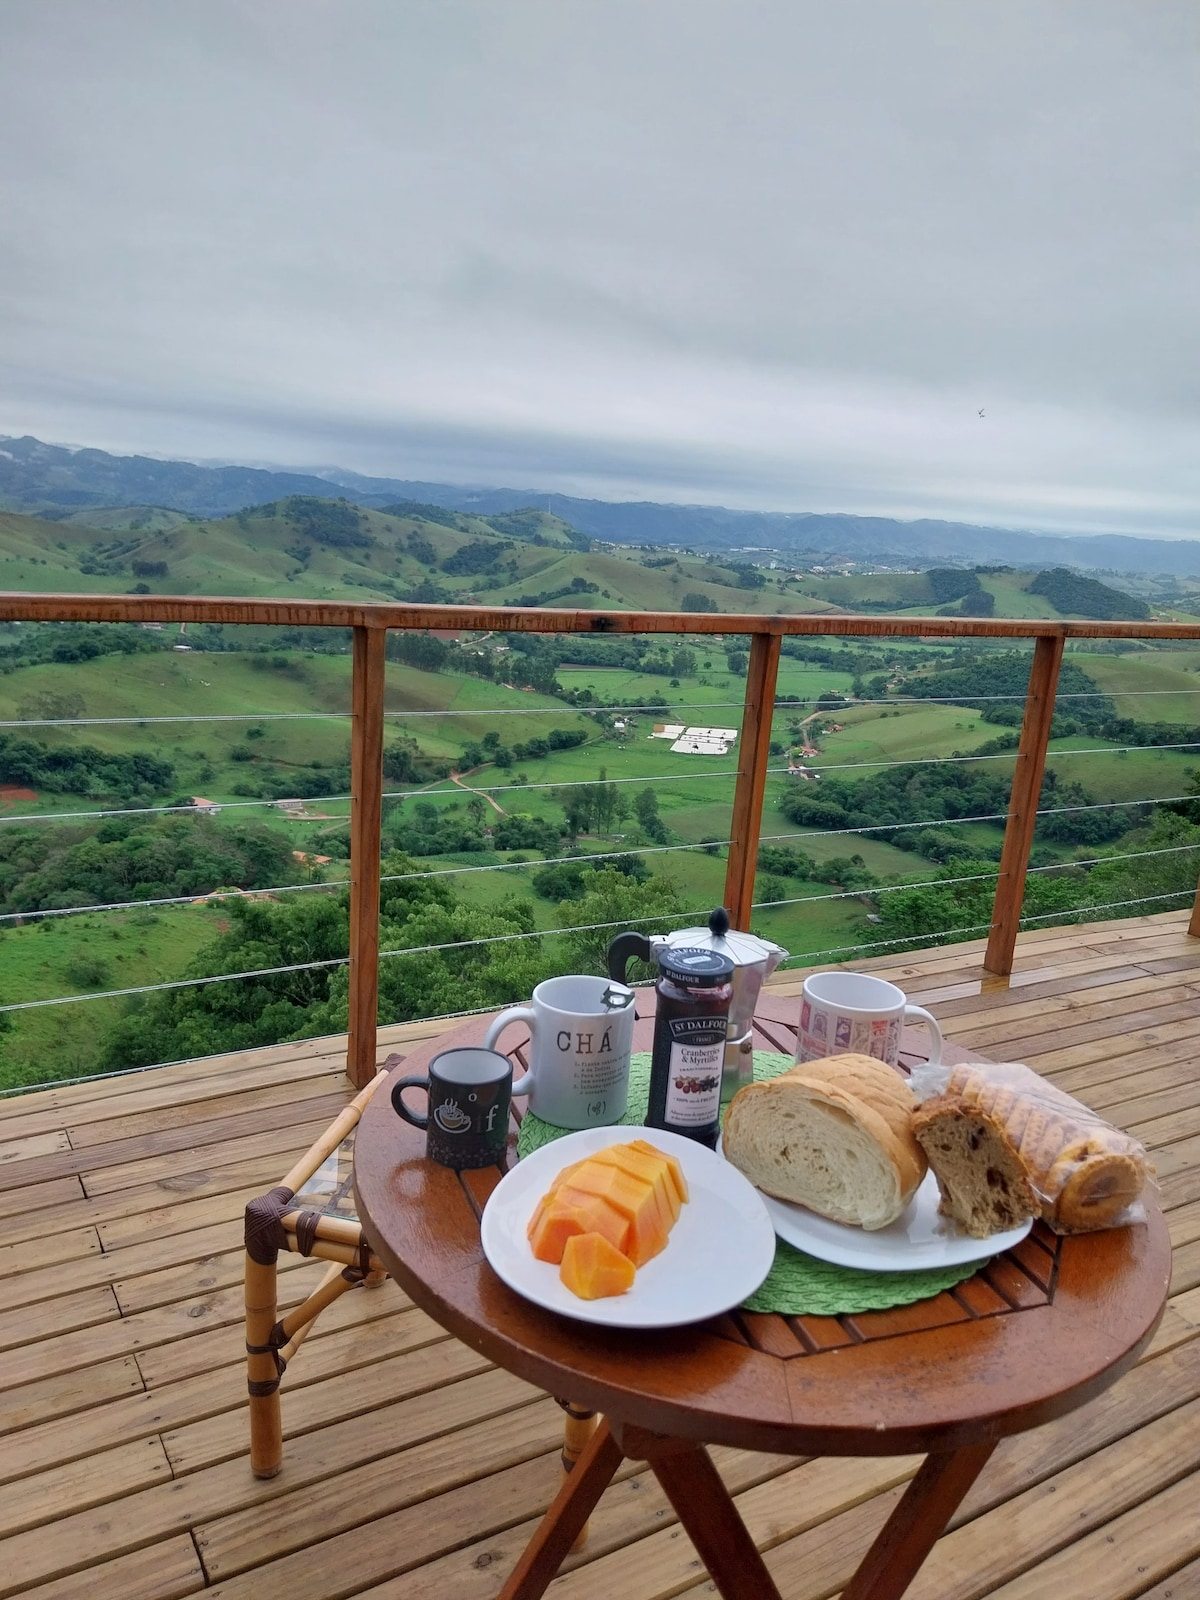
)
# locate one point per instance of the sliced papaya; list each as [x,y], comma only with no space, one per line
[569,1211]
[652,1168]
[635,1199]
[593,1268]
[673,1167]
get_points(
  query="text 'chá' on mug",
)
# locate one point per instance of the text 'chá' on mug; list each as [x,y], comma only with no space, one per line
[581,1031]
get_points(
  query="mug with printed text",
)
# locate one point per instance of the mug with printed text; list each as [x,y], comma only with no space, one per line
[582,1036]
[851,1012]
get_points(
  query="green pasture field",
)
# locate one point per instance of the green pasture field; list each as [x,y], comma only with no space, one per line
[1012,596]
[902,732]
[1150,686]
[1130,775]
[38,960]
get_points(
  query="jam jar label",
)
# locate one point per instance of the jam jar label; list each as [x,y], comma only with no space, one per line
[694,1080]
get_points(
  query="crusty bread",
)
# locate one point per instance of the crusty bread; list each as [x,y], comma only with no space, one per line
[984,1184]
[833,1135]
[1083,1172]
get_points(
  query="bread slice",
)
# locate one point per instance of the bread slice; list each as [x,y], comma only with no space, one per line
[833,1135]
[983,1180]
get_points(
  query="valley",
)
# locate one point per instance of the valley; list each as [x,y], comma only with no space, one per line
[555,733]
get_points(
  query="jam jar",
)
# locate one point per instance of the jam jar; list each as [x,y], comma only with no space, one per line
[691,1024]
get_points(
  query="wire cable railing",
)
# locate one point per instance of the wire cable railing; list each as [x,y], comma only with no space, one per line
[586,859]
[747,767]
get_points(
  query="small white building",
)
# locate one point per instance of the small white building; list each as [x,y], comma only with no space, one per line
[209,807]
[704,741]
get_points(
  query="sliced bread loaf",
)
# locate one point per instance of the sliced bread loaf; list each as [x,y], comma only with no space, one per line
[833,1135]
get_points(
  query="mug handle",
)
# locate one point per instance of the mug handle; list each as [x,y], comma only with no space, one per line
[401,1110]
[513,1014]
[919,1014]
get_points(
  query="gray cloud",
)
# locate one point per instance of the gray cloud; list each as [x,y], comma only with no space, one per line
[764,252]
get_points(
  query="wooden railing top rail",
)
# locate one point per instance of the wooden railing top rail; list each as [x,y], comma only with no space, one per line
[21,607]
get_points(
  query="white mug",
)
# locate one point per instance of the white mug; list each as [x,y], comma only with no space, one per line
[850,1012]
[582,1031]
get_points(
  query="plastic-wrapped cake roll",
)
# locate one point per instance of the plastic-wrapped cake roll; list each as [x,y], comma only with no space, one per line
[1084,1173]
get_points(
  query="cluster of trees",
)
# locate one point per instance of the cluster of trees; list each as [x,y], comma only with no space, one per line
[940,792]
[489,748]
[83,769]
[481,555]
[1069,593]
[938,912]
[569,880]
[35,642]
[329,522]
[546,597]
[138,858]
[427,513]
[995,686]
[414,981]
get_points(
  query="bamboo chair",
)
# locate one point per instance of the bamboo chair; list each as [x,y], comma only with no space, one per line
[310,1213]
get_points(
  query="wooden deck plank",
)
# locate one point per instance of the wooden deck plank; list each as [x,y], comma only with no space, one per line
[151,1210]
[164,1571]
[147,1092]
[166,1142]
[412,1469]
[39,1497]
[136,1410]
[1116,1560]
[141,1170]
[83,1538]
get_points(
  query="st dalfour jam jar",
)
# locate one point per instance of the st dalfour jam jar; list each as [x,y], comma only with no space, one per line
[695,989]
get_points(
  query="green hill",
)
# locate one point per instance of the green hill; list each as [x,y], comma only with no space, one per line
[327,549]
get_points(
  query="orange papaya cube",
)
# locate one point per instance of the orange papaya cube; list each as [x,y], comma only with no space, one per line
[651,1169]
[565,1175]
[592,1268]
[569,1212]
[635,1199]
[539,1211]
[673,1167]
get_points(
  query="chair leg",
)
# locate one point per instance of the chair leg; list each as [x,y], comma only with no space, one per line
[262,1370]
[578,1429]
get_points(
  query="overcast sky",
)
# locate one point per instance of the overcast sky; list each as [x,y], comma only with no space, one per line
[767,253]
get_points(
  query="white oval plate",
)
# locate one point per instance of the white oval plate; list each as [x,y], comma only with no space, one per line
[720,1249]
[920,1237]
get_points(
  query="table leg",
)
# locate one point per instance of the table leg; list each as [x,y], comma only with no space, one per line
[917,1523]
[703,1504]
[565,1519]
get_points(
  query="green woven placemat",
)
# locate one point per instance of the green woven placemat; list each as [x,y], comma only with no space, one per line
[797,1284]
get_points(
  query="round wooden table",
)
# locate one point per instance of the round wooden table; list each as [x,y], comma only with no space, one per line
[1038,1331]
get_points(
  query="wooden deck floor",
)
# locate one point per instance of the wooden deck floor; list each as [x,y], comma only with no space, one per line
[413,1469]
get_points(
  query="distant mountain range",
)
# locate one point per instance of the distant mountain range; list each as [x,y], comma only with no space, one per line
[44,479]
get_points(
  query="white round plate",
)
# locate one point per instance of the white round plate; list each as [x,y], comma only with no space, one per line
[920,1237]
[719,1251]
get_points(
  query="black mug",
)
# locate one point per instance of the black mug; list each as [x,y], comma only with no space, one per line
[470,1090]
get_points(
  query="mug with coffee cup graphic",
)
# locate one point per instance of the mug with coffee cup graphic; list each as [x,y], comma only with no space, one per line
[853,1013]
[469,1091]
[582,1037]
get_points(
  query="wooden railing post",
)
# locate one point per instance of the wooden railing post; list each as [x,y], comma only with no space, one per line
[1193,926]
[1023,805]
[366,814]
[753,749]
